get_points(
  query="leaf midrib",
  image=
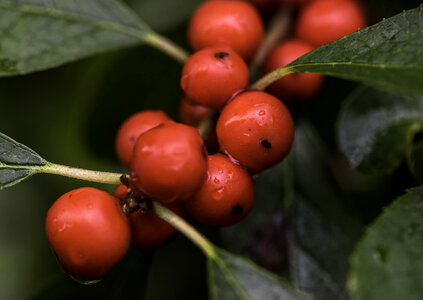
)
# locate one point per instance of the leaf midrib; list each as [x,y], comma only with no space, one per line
[349,63]
[230,278]
[51,12]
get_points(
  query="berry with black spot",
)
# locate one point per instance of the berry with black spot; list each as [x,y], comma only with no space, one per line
[256,129]
[212,75]
[227,195]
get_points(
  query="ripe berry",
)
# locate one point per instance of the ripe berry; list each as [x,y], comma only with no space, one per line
[121,191]
[324,21]
[226,196]
[192,114]
[300,86]
[148,230]
[169,162]
[236,24]
[295,2]
[256,129]
[88,232]
[212,75]
[132,128]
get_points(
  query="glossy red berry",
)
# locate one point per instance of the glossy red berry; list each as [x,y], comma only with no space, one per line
[296,86]
[192,114]
[296,2]
[226,196]
[121,191]
[212,75]
[132,128]
[169,162]
[149,231]
[256,129]
[88,232]
[324,21]
[236,24]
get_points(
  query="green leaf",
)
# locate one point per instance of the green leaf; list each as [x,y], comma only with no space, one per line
[17,162]
[387,55]
[375,128]
[152,12]
[388,262]
[324,227]
[38,34]
[233,277]
[415,160]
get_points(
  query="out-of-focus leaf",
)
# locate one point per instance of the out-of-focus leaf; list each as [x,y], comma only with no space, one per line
[323,227]
[127,280]
[37,34]
[233,277]
[152,12]
[388,262]
[387,55]
[415,160]
[375,128]
[17,162]
[271,189]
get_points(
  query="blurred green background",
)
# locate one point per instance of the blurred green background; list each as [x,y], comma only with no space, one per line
[70,115]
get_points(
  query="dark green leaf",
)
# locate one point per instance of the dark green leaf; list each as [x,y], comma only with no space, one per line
[152,12]
[415,160]
[388,55]
[17,162]
[127,281]
[323,226]
[270,192]
[37,34]
[388,262]
[233,277]
[375,128]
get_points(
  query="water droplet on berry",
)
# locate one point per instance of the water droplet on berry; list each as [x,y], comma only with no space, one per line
[216,181]
[61,226]
[218,194]
[69,225]
[262,113]
[245,138]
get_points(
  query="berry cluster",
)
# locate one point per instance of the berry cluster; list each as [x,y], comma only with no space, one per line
[90,230]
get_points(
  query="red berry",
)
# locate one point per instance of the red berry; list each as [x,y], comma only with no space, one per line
[169,162]
[324,21]
[295,2]
[149,231]
[236,24]
[192,114]
[121,191]
[301,86]
[132,128]
[226,196]
[256,129]
[212,75]
[88,232]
